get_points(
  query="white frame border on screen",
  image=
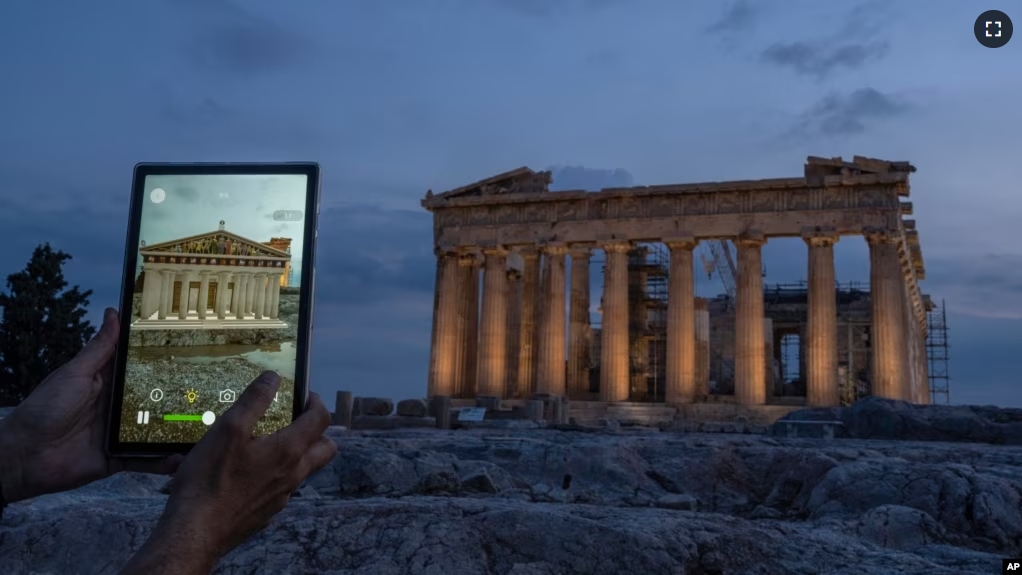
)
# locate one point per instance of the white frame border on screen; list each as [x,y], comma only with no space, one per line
[115,447]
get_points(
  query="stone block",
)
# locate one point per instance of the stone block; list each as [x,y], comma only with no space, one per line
[412,408]
[373,406]
[391,422]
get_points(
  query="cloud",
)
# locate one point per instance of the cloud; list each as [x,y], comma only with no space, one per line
[567,177]
[818,59]
[854,45]
[983,286]
[849,114]
[548,8]
[739,16]
[230,38]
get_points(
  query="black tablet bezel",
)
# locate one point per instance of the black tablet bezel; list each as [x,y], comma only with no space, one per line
[311,170]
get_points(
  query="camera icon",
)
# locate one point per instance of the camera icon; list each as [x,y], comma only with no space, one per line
[228,396]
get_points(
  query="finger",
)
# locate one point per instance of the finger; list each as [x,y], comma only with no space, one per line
[101,348]
[321,453]
[164,466]
[309,426]
[253,403]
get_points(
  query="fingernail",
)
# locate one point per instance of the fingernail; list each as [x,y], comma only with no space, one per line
[270,377]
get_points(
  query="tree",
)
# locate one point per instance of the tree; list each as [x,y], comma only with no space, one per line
[43,324]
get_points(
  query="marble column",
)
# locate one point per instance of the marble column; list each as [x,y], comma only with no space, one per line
[268,295]
[259,307]
[924,369]
[151,284]
[186,280]
[203,299]
[887,297]
[821,330]
[702,315]
[750,365]
[529,335]
[551,357]
[468,324]
[493,325]
[235,293]
[768,355]
[243,297]
[166,293]
[514,330]
[223,280]
[680,374]
[445,367]
[614,329]
[578,324]
[434,346]
[275,297]
[250,295]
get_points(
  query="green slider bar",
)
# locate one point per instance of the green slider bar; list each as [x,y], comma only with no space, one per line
[181,417]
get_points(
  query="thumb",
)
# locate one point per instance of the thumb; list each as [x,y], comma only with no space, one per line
[101,348]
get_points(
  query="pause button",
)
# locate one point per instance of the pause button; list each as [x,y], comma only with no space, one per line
[143,417]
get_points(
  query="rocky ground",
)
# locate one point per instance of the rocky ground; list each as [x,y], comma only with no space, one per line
[612,502]
[174,377]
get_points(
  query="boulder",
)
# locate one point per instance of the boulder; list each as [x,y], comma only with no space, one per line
[373,406]
[412,408]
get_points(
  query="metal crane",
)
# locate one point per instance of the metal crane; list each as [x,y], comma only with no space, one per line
[723,262]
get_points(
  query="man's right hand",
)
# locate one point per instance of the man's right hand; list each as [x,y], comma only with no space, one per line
[231,484]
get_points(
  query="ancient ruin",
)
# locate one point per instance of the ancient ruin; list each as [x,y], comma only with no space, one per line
[508,326]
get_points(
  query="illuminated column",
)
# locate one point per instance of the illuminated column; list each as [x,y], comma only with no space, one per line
[493,327]
[275,296]
[447,342]
[182,311]
[514,330]
[821,347]
[242,287]
[260,295]
[468,326]
[750,365]
[222,281]
[166,293]
[887,296]
[578,323]
[681,324]
[702,315]
[203,299]
[551,373]
[614,335]
[528,337]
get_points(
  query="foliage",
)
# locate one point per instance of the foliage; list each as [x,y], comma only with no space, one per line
[43,324]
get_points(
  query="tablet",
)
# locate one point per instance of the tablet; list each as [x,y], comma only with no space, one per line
[218,287]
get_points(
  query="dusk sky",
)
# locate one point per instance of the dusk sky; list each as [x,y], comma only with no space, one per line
[396,97]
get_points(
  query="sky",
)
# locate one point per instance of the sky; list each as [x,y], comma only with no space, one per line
[191,205]
[394,98]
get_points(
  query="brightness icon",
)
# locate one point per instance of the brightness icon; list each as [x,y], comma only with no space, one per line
[191,395]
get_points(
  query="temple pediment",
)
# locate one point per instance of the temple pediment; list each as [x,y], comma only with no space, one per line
[220,242]
[520,181]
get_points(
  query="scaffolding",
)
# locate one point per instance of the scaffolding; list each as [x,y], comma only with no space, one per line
[937,355]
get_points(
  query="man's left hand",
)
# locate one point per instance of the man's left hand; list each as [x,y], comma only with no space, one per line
[55,439]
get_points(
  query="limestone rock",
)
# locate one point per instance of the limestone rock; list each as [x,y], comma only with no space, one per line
[373,406]
[546,501]
[877,418]
[412,408]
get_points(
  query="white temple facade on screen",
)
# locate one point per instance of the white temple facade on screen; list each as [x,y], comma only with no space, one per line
[214,280]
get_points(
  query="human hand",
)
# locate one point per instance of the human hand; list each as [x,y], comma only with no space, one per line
[231,484]
[55,439]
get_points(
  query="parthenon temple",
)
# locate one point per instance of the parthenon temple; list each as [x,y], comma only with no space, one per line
[512,311]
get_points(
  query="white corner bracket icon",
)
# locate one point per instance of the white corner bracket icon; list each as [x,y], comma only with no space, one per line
[997,34]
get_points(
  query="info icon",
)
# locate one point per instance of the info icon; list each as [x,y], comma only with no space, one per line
[993,28]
